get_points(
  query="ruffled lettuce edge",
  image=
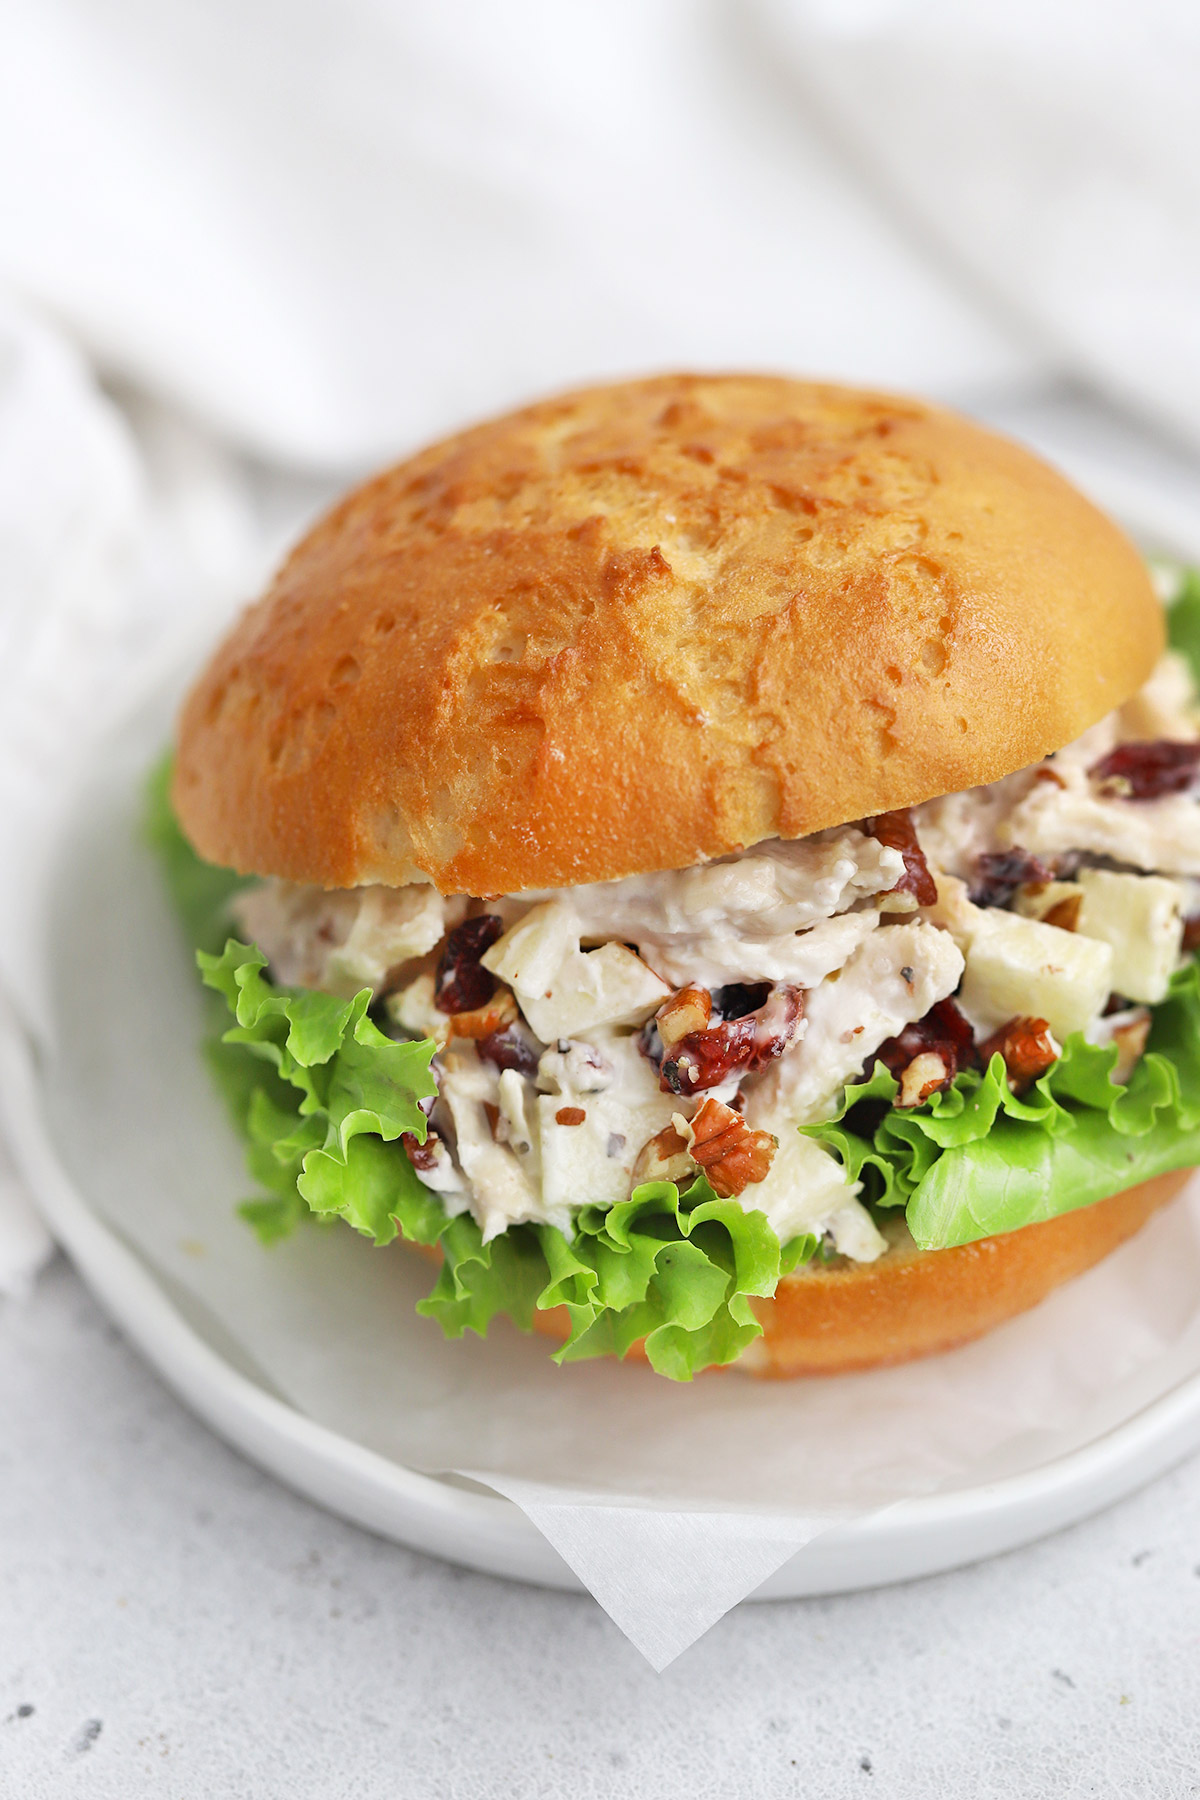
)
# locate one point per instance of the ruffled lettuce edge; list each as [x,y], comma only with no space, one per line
[322,1096]
[978,1160]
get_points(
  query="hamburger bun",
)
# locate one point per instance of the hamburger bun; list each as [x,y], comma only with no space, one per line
[832,1321]
[643,625]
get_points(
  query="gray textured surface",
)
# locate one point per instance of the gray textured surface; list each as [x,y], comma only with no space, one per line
[174,1624]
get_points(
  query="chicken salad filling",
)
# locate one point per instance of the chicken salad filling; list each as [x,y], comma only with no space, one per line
[588,1040]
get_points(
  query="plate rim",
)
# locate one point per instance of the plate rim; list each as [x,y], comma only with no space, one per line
[366,1486]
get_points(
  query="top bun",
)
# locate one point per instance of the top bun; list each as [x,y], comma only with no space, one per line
[649,623]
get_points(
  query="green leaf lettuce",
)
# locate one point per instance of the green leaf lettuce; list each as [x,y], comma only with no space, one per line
[977,1160]
[327,1095]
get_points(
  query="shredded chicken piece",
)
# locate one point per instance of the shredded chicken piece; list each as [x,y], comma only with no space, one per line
[898,975]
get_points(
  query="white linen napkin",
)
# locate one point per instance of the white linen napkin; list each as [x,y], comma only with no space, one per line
[336,228]
[1047,152]
[333,229]
[108,547]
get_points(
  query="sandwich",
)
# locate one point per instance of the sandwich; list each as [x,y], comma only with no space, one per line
[710,862]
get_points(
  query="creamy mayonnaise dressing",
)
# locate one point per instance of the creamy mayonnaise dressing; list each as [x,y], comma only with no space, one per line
[589,966]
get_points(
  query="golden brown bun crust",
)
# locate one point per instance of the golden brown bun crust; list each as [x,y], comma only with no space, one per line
[910,1304]
[641,625]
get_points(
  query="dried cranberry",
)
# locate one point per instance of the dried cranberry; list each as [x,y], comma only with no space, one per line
[944,1030]
[999,873]
[421,1156]
[511,1048]
[1191,933]
[650,1043]
[1148,771]
[705,1059]
[462,982]
[896,831]
[738,998]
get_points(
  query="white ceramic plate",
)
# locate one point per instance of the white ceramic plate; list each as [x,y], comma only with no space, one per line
[916,1537]
[212,1373]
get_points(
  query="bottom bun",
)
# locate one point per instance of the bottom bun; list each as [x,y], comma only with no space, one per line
[829,1321]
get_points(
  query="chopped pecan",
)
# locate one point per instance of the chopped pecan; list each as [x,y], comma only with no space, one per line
[924,1076]
[1066,914]
[727,1150]
[495,1016]
[462,983]
[896,831]
[1130,1039]
[1147,771]
[687,1011]
[664,1157]
[704,1059]
[1028,1049]
[999,873]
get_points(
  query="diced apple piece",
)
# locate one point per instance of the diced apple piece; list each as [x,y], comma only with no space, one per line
[1141,918]
[807,1189]
[413,1010]
[609,986]
[1021,967]
[565,991]
[576,1163]
[528,956]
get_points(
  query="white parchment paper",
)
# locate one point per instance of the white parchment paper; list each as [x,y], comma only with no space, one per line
[670,1502]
